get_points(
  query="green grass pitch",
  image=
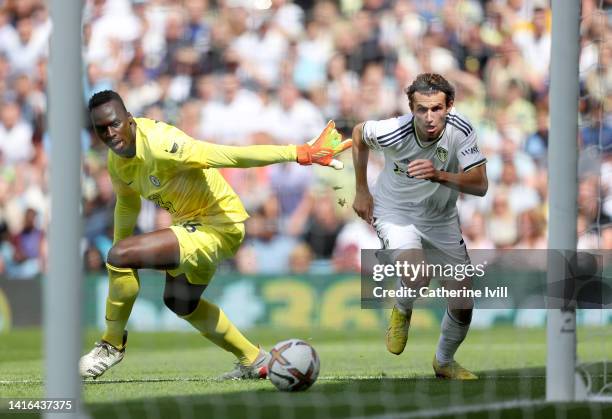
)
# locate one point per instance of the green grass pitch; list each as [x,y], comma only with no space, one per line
[173,375]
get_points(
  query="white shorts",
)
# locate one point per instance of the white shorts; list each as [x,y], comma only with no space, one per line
[445,243]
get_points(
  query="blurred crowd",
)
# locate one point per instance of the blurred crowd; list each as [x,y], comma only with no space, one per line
[246,72]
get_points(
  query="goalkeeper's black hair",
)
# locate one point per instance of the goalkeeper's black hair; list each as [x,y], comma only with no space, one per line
[103,97]
[431,83]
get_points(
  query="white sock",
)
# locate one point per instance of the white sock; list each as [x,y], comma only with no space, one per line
[403,304]
[451,335]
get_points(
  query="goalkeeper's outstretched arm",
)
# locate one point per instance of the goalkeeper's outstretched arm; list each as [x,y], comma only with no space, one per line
[320,150]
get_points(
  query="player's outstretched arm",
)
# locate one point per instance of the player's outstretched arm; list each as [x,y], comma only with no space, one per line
[324,148]
[320,150]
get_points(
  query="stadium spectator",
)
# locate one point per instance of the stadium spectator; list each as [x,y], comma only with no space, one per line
[31,101]
[291,185]
[312,55]
[520,112]
[261,52]
[197,32]
[218,123]
[15,135]
[531,230]
[189,118]
[534,41]
[6,250]
[597,130]
[475,232]
[322,226]
[502,223]
[300,259]
[142,92]
[354,236]
[340,83]
[506,64]
[205,90]
[590,202]
[94,262]
[31,45]
[471,52]
[588,237]
[536,144]
[288,18]
[271,249]
[521,196]
[377,97]
[29,256]
[291,119]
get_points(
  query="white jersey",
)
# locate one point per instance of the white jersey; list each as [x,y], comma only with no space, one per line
[402,199]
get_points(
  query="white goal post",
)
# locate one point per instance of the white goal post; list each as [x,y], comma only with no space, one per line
[562,191]
[62,288]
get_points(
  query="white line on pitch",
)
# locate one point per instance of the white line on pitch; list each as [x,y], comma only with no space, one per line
[213,379]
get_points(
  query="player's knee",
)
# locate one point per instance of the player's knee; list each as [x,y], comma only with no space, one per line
[120,256]
[181,307]
[462,315]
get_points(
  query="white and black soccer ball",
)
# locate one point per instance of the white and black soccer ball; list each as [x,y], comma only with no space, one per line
[294,365]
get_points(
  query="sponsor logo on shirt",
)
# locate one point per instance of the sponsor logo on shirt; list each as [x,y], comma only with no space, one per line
[167,205]
[471,150]
[154,180]
[401,169]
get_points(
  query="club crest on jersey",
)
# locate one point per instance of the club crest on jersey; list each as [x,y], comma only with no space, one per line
[154,180]
[442,154]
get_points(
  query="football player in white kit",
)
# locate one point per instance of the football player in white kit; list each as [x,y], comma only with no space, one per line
[431,156]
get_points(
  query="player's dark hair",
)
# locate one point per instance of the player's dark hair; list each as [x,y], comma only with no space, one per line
[103,97]
[431,83]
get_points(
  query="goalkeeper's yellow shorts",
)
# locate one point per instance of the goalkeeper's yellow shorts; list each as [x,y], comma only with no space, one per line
[203,246]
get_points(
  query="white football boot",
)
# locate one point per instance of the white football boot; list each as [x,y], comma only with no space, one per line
[102,357]
[257,370]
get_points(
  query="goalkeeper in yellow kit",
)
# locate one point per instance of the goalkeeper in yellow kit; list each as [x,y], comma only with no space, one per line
[162,164]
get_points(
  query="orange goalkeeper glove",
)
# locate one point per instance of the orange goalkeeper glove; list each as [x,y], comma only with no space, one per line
[324,148]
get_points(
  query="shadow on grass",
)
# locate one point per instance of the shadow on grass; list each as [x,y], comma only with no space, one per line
[383,397]
[344,397]
[509,393]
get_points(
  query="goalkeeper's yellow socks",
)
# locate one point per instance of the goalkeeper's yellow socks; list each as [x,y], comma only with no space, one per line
[123,286]
[212,322]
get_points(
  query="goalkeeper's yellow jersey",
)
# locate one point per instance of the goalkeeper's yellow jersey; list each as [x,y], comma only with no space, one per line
[179,174]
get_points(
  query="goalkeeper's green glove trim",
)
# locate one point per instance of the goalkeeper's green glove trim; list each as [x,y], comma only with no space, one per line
[324,148]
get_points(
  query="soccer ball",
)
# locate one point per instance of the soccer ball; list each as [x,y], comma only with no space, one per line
[294,365]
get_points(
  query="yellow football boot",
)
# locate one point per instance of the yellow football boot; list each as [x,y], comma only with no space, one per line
[452,371]
[397,332]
